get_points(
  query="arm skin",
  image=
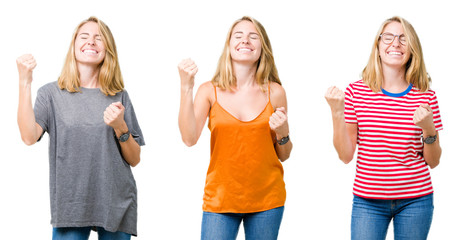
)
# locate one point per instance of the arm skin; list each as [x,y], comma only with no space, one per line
[192,114]
[279,121]
[114,117]
[30,130]
[344,134]
[423,117]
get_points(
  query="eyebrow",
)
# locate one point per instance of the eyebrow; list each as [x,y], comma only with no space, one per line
[403,34]
[97,35]
[243,32]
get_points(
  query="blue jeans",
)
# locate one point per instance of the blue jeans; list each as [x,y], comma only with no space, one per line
[82,233]
[371,217]
[225,226]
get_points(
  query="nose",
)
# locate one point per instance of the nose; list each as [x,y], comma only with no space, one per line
[245,39]
[91,42]
[396,41]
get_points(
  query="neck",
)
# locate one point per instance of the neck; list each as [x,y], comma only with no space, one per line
[394,79]
[245,74]
[89,75]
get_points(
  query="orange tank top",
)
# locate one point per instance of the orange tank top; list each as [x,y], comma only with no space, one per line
[245,174]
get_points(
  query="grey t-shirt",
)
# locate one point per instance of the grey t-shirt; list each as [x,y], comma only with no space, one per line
[90,182]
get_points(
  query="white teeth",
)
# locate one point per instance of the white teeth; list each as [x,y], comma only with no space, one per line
[395,53]
[88,51]
[244,50]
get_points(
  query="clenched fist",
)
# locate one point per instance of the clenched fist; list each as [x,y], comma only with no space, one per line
[335,98]
[26,63]
[278,122]
[423,117]
[114,116]
[187,70]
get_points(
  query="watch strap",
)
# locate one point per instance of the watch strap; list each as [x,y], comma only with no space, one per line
[429,139]
[283,140]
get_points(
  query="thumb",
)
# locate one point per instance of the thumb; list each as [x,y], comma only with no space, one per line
[118,105]
[281,109]
[427,107]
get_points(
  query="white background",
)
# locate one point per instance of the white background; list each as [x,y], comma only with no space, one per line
[316,44]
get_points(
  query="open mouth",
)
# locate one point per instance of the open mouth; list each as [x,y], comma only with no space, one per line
[89,51]
[243,49]
[394,53]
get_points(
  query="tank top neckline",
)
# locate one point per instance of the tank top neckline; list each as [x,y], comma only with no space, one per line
[239,120]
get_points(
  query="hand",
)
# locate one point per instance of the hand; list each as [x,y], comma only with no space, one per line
[335,98]
[278,123]
[114,117]
[26,63]
[423,118]
[187,70]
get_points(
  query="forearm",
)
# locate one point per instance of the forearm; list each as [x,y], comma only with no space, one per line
[187,118]
[129,149]
[432,152]
[283,151]
[341,139]
[26,116]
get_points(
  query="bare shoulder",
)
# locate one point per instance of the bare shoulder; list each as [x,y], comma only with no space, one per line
[206,91]
[278,95]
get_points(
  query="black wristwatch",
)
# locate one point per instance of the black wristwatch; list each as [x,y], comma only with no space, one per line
[429,139]
[283,140]
[124,137]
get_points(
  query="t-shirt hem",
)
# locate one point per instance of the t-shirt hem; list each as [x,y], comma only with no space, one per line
[92,224]
[389,198]
[243,211]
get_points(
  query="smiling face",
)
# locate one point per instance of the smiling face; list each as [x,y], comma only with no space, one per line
[89,47]
[245,44]
[394,54]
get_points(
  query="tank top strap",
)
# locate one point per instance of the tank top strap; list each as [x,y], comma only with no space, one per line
[215,92]
[269,91]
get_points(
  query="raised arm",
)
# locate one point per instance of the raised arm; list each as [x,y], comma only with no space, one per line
[114,117]
[192,114]
[30,130]
[278,121]
[344,134]
[423,117]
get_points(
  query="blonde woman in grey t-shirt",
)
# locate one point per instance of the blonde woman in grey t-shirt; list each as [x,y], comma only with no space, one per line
[94,137]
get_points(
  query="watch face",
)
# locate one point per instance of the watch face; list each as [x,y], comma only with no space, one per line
[124,137]
[283,140]
[429,140]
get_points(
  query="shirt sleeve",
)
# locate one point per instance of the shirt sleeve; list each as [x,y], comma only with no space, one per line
[131,119]
[41,109]
[433,102]
[349,111]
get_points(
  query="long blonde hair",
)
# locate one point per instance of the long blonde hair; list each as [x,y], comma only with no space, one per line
[415,70]
[266,68]
[110,78]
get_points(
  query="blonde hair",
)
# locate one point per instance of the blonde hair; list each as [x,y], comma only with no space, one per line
[110,78]
[266,68]
[415,70]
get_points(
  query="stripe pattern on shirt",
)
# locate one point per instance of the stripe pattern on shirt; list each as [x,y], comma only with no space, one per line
[390,164]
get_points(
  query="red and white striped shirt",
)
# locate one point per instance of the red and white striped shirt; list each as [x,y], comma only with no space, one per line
[390,164]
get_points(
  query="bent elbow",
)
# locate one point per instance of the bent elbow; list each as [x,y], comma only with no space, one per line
[28,141]
[189,142]
[346,159]
[434,165]
[135,163]
[284,158]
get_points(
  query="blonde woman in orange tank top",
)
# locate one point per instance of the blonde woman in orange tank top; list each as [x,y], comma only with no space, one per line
[247,110]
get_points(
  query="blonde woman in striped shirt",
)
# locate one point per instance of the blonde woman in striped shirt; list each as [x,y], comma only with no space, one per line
[393,116]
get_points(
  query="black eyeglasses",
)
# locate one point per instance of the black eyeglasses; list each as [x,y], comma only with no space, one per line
[388,38]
